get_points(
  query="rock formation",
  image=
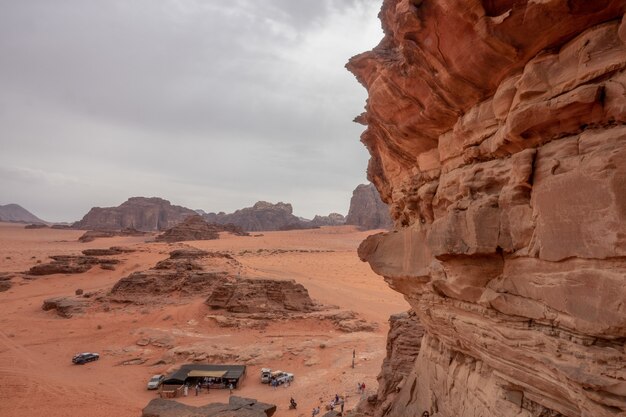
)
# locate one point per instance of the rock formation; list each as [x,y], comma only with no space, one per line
[498,139]
[14,213]
[263,216]
[367,210]
[140,213]
[236,407]
[65,307]
[187,272]
[5,281]
[403,345]
[91,235]
[195,228]
[70,264]
[260,296]
[333,219]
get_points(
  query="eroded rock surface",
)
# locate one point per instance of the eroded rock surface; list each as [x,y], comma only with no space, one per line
[71,264]
[65,307]
[140,213]
[260,296]
[236,407]
[497,131]
[367,210]
[187,272]
[196,228]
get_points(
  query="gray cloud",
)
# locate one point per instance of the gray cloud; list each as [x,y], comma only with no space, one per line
[210,104]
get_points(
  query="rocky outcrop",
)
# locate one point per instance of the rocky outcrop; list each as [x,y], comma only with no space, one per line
[65,307]
[71,264]
[403,345]
[333,219]
[140,213]
[263,216]
[498,139]
[195,228]
[5,281]
[91,235]
[260,296]
[187,272]
[236,407]
[36,226]
[367,210]
[14,213]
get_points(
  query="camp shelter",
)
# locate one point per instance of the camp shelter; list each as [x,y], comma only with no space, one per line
[218,375]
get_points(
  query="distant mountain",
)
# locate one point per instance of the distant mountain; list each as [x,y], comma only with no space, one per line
[263,216]
[367,210]
[140,213]
[15,213]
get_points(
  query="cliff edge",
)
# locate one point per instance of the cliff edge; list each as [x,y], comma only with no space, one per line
[497,134]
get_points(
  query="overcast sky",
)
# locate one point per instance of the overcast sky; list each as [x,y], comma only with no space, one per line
[210,104]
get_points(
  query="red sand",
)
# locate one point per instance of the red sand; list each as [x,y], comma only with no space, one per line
[37,377]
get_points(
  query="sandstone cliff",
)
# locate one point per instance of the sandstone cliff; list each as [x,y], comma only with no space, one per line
[140,213]
[367,210]
[263,216]
[333,219]
[497,131]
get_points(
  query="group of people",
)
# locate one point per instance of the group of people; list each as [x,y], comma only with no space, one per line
[204,384]
[336,402]
[360,387]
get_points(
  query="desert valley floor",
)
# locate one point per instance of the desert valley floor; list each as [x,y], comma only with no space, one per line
[37,377]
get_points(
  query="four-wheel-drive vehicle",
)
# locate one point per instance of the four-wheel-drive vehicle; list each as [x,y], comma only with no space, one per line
[155,381]
[266,375]
[285,377]
[83,358]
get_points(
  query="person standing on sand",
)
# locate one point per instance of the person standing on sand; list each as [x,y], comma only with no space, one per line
[186,390]
[197,389]
[230,388]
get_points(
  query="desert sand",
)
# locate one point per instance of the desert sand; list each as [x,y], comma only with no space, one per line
[37,377]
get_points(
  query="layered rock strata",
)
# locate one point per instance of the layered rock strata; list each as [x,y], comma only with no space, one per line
[187,272]
[236,407]
[403,345]
[140,213]
[497,131]
[367,210]
[260,296]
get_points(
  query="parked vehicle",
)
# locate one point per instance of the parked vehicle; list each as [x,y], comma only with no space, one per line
[284,378]
[155,381]
[266,375]
[83,358]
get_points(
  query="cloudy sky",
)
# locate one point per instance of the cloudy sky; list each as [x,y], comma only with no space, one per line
[210,104]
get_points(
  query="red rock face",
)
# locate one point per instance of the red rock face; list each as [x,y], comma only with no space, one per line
[497,131]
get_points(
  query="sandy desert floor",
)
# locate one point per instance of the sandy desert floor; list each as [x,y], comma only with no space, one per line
[37,377]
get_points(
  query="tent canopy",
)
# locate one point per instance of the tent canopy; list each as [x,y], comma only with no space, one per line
[210,374]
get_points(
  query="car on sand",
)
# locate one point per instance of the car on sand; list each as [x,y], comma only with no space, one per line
[83,358]
[155,381]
